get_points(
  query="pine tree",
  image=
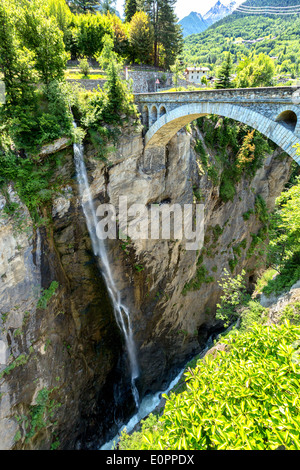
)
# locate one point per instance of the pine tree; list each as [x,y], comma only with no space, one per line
[131,8]
[167,34]
[84,6]
[224,74]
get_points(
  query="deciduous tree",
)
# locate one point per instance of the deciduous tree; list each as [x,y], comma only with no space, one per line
[141,37]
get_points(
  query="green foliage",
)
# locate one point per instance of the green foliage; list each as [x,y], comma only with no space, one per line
[46,119]
[283,249]
[131,7]
[240,150]
[291,312]
[246,215]
[32,181]
[43,37]
[84,67]
[107,53]
[245,398]
[176,69]
[224,74]
[61,12]
[227,186]
[112,105]
[84,6]
[201,277]
[136,441]
[239,33]
[32,49]
[167,33]
[232,263]
[200,150]
[213,175]
[288,276]
[16,63]
[232,298]
[217,231]
[21,360]
[261,210]
[47,294]
[41,413]
[251,314]
[89,33]
[255,71]
[141,38]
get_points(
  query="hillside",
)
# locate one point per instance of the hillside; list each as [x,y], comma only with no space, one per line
[275,35]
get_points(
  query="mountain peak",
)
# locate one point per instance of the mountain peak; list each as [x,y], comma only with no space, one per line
[195,23]
[218,11]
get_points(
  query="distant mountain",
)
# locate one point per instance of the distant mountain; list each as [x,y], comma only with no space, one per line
[195,23]
[219,11]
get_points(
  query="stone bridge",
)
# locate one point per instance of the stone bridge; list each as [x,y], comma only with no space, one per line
[273,111]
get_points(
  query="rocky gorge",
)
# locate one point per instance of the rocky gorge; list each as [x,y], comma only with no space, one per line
[66,381]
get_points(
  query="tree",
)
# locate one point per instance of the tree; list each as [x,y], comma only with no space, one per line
[176,70]
[16,63]
[255,71]
[167,33]
[141,37]
[118,98]
[107,54]
[44,38]
[130,9]
[108,6]
[224,73]
[60,10]
[90,33]
[84,6]
[121,35]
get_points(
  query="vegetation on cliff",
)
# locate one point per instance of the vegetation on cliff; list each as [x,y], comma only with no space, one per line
[40,105]
[244,395]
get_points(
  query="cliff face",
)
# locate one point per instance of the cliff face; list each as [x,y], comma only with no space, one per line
[66,381]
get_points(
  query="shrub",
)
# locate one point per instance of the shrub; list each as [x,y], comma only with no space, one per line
[234,290]
[244,398]
[84,67]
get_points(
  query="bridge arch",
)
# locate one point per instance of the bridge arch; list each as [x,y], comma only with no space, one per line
[288,118]
[162,111]
[153,115]
[145,116]
[170,123]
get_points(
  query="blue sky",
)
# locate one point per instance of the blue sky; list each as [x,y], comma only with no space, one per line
[184,7]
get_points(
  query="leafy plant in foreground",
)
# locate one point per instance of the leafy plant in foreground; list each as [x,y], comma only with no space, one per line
[246,397]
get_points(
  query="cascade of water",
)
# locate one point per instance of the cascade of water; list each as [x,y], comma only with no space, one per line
[99,248]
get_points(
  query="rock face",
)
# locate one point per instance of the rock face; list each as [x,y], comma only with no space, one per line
[66,381]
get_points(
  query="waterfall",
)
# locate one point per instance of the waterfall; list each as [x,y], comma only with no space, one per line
[121,312]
